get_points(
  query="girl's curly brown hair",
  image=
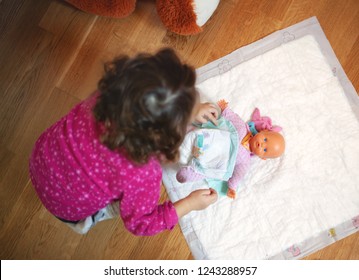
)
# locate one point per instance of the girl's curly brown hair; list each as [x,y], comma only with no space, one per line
[145,104]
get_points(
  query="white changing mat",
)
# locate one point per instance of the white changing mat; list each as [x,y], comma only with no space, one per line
[289,207]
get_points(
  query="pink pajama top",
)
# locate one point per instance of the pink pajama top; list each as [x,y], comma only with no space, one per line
[75,176]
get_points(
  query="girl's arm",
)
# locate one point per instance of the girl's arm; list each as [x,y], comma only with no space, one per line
[139,208]
[197,200]
[143,216]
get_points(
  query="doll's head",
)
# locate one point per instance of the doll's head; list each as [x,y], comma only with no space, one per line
[267,144]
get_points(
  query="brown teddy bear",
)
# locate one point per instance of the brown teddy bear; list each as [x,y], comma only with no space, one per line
[184,17]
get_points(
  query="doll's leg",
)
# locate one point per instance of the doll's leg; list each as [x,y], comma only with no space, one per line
[187,174]
[240,169]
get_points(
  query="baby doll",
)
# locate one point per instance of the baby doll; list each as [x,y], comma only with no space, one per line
[222,153]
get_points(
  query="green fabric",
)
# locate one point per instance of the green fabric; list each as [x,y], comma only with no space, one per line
[221,186]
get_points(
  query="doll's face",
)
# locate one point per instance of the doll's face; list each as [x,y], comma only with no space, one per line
[267,144]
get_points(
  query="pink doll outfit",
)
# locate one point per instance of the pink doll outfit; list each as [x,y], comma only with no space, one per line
[77,177]
[221,158]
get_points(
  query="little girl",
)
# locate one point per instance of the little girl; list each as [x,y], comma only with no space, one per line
[104,157]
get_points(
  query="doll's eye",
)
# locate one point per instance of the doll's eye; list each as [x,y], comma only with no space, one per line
[265,139]
[265,149]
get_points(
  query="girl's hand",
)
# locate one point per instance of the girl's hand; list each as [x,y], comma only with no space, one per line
[201,199]
[196,200]
[207,112]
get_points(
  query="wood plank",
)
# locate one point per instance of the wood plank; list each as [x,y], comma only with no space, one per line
[101,47]
[12,183]
[25,207]
[15,168]
[35,66]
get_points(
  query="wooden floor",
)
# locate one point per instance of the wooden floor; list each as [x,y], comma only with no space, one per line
[51,57]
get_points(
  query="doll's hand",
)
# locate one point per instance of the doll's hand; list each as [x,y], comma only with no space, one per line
[196,152]
[231,193]
[196,200]
[207,112]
